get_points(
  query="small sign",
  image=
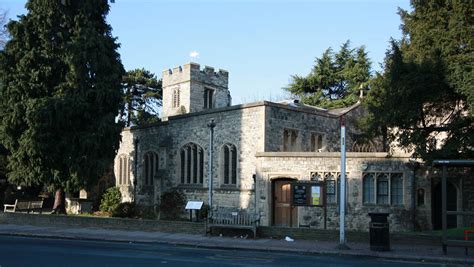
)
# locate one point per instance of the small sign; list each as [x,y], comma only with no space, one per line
[299,194]
[194,205]
[307,194]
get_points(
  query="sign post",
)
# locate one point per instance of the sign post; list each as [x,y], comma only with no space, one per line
[342,196]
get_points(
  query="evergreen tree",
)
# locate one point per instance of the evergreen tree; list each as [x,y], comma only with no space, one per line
[424,96]
[61,93]
[142,97]
[336,78]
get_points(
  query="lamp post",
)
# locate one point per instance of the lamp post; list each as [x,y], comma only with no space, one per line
[211,126]
[342,196]
[414,165]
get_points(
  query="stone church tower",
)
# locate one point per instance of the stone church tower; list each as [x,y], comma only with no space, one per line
[188,89]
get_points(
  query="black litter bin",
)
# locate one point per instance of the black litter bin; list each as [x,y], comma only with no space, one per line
[379,232]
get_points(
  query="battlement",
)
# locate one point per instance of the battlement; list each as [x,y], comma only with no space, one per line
[192,72]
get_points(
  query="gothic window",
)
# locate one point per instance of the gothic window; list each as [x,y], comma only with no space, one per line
[290,138]
[396,189]
[388,188]
[176,98]
[316,142]
[150,167]
[382,189]
[368,188]
[208,94]
[331,189]
[192,164]
[229,168]
[124,170]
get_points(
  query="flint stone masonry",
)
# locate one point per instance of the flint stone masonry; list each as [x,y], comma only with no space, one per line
[257,131]
[299,166]
[191,82]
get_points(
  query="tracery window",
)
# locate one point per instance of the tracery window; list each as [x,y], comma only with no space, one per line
[150,167]
[192,164]
[124,170]
[229,167]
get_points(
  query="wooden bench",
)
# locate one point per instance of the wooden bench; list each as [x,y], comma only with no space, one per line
[24,205]
[237,220]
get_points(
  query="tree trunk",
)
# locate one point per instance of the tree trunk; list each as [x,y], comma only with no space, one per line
[59,206]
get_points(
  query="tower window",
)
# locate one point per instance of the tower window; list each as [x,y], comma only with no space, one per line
[208,98]
[176,98]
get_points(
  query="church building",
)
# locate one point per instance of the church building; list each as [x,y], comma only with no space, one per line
[262,150]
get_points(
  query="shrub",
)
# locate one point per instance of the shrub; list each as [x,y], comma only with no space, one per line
[125,210]
[172,204]
[204,212]
[110,200]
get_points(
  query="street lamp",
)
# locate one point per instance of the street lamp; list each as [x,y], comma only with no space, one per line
[211,126]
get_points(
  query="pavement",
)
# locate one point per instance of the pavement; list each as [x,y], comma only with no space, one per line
[408,252]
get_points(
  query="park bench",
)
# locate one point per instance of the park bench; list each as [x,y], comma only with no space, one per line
[235,220]
[24,206]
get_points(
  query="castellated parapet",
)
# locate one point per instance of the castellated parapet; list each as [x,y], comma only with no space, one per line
[187,88]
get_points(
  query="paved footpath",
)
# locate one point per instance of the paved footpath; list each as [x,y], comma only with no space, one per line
[410,252]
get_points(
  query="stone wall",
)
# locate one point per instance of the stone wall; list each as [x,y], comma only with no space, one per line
[279,117]
[242,126]
[191,82]
[299,166]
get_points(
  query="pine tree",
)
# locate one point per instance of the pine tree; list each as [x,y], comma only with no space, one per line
[142,97]
[335,80]
[424,95]
[60,95]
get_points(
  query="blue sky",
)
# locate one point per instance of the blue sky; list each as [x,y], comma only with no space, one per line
[260,42]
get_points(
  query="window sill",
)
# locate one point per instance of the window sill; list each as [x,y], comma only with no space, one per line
[190,186]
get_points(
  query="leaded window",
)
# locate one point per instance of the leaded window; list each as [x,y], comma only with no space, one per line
[382,189]
[176,98]
[192,164]
[396,189]
[229,157]
[368,188]
[331,189]
[124,170]
[150,167]
[208,94]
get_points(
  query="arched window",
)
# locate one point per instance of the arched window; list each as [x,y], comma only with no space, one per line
[396,189]
[192,164]
[382,188]
[150,168]
[331,188]
[368,188]
[124,170]
[176,100]
[229,166]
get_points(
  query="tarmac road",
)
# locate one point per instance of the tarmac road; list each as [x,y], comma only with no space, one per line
[27,251]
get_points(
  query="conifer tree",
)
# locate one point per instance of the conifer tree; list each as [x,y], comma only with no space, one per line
[423,100]
[60,95]
[336,78]
[142,97]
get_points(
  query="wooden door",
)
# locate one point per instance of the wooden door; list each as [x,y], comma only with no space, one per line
[283,214]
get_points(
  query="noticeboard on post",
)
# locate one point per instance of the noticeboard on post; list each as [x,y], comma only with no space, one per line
[307,194]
